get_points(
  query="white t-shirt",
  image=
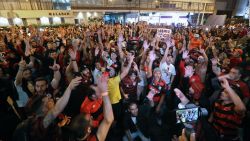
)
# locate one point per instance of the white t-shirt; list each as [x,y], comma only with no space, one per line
[22,95]
[134,120]
[143,77]
[167,71]
[96,74]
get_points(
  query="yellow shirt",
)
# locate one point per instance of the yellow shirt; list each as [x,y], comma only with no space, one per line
[114,89]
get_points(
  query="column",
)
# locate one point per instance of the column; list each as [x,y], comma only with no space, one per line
[202,17]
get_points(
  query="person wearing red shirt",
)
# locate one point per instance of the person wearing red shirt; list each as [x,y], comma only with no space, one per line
[234,77]
[195,42]
[236,59]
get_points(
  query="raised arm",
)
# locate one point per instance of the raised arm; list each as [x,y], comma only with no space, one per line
[204,55]
[103,129]
[164,58]
[57,76]
[126,69]
[119,44]
[216,70]
[239,105]
[150,65]
[27,47]
[19,75]
[181,96]
[72,54]
[61,103]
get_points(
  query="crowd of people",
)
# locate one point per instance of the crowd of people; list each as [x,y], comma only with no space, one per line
[124,83]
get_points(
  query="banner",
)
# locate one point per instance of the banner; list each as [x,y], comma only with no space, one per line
[163,33]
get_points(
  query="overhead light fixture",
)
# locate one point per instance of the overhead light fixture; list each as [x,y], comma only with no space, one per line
[80,15]
[88,14]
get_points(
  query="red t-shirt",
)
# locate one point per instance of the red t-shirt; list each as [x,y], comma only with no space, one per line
[197,86]
[129,87]
[243,87]
[235,62]
[92,107]
[194,43]
[92,137]
[160,89]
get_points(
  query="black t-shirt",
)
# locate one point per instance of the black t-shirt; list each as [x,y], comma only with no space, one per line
[128,123]
[77,96]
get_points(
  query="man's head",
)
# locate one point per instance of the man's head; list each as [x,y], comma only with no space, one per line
[98,66]
[68,42]
[201,59]
[112,72]
[235,73]
[85,71]
[113,56]
[27,73]
[41,86]
[133,109]
[81,126]
[157,74]
[53,54]
[33,43]
[169,59]
[132,75]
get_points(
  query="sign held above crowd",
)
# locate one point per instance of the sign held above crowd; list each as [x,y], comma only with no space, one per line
[163,33]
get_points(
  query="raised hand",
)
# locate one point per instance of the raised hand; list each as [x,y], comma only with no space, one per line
[97,50]
[131,58]
[224,83]
[55,67]
[22,64]
[181,96]
[152,56]
[120,39]
[74,82]
[135,66]
[189,71]
[185,54]
[72,54]
[102,84]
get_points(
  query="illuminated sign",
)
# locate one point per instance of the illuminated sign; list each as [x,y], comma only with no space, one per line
[59,13]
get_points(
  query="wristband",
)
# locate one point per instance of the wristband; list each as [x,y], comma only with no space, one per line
[105,94]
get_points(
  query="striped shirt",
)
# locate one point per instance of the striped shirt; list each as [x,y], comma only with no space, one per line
[226,120]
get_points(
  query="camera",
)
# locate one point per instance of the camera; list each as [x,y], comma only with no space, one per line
[190,114]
